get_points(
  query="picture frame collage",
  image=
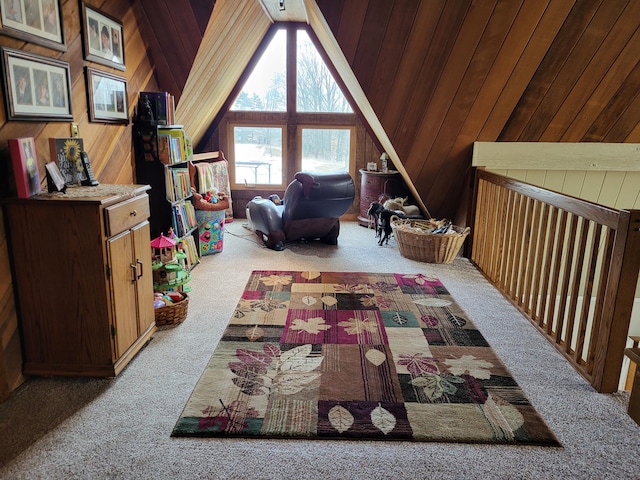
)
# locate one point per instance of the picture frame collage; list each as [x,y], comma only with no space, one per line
[38,88]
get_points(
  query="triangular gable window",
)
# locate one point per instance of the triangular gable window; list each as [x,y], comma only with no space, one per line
[266,88]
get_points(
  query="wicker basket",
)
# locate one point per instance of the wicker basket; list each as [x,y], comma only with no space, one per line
[173,314]
[427,247]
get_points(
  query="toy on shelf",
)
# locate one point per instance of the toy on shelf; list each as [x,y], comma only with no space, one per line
[210,214]
[170,273]
[170,278]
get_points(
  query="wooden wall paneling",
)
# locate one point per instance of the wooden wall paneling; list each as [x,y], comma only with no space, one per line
[161,66]
[220,63]
[622,100]
[332,11]
[602,62]
[350,27]
[394,43]
[554,60]
[591,186]
[496,80]
[634,135]
[371,43]
[415,56]
[545,31]
[576,61]
[605,89]
[626,121]
[512,49]
[418,102]
[202,12]
[446,176]
[176,33]
[610,189]
[431,124]
[629,192]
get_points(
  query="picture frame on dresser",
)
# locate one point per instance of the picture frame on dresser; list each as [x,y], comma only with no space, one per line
[36,88]
[107,97]
[102,38]
[35,22]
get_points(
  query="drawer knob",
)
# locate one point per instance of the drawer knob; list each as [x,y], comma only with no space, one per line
[134,213]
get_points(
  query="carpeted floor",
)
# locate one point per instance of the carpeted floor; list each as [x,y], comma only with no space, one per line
[358,356]
[61,428]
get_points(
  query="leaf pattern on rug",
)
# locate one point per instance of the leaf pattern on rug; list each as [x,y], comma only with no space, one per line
[351,288]
[376,357]
[274,371]
[254,333]
[421,279]
[310,275]
[368,301]
[312,325]
[399,319]
[273,280]
[433,302]
[359,356]
[383,419]
[340,418]
[418,364]
[435,386]
[309,300]
[329,301]
[356,326]
[470,365]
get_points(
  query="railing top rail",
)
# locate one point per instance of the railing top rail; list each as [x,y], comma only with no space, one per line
[592,211]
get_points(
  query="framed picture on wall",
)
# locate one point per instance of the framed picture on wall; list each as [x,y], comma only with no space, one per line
[107,97]
[36,88]
[102,39]
[36,21]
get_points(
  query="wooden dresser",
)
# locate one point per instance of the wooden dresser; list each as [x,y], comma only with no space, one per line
[373,184]
[83,280]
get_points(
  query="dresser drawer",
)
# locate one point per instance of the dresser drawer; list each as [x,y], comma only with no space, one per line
[124,215]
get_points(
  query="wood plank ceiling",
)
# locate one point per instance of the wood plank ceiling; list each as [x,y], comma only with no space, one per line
[437,74]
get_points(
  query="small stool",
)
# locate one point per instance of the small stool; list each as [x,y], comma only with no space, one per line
[634,400]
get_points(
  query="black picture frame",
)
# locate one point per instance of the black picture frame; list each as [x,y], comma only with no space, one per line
[107,97]
[36,88]
[34,21]
[102,38]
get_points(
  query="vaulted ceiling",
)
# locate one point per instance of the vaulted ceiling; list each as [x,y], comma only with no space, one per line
[430,77]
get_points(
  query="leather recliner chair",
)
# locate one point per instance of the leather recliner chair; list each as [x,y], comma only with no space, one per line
[310,210]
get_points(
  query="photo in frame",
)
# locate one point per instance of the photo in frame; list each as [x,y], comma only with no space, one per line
[25,166]
[36,88]
[102,39]
[36,21]
[107,97]
[55,180]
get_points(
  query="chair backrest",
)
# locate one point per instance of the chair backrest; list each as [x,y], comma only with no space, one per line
[318,195]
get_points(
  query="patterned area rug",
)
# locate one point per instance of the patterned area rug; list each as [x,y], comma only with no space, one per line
[357,356]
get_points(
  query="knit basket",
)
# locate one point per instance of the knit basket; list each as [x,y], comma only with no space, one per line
[416,243]
[172,314]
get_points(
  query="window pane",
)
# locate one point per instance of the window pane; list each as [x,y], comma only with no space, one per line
[325,150]
[258,155]
[317,90]
[266,88]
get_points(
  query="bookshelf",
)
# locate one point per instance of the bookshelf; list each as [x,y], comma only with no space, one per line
[162,153]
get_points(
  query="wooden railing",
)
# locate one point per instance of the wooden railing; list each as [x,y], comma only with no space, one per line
[570,266]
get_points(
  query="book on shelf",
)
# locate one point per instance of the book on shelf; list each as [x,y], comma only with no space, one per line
[66,152]
[164,149]
[177,183]
[25,166]
[177,143]
[188,246]
[183,218]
